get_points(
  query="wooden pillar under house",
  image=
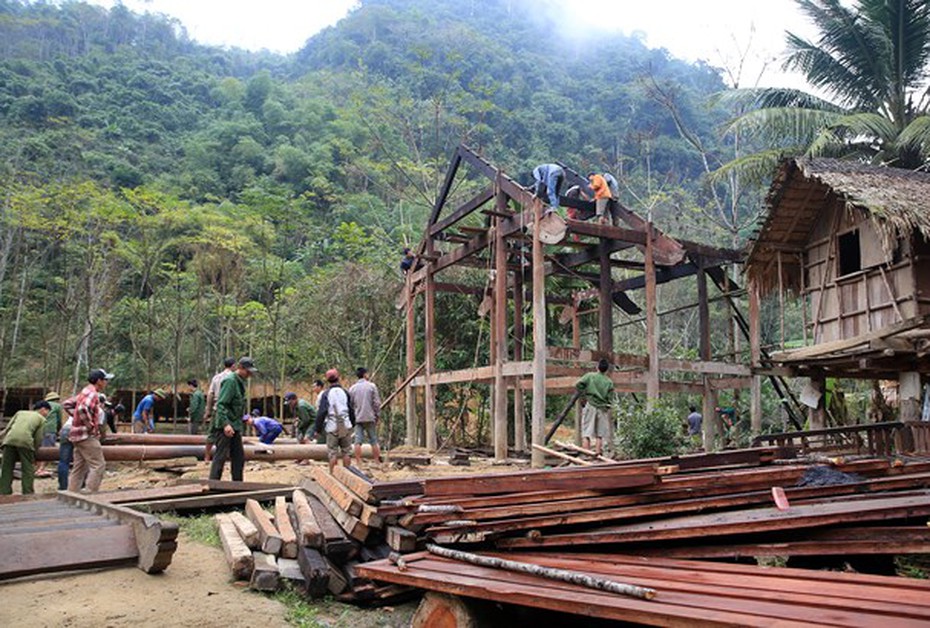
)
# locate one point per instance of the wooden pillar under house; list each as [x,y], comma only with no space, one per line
[430,392]
[519,421]
[576,343]
[755,357]
[500,334]
[410,396]
[605,334]
[539,337]
[709,398]
[652,320]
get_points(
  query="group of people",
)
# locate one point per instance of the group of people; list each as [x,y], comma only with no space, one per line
[340,417]
[603,189]
[77,422]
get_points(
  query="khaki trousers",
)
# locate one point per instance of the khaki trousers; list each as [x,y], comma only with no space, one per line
[88,464]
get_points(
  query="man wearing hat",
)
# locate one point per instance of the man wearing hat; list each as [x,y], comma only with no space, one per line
[145,411]
[89,463]
[226,429]
[53,423]
[22,438]
[266,428]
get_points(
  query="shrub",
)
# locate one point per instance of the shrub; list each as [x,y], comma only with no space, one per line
[651,433]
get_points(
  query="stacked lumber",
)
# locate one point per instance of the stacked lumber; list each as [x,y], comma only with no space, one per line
[312,539]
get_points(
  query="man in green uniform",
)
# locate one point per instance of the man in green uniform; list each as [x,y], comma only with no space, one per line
[597,420]
[197,406]
[226,428]
[303,415]
[22,439]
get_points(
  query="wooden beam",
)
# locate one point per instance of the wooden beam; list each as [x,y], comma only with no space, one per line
[755,356]
[309,533]
[238,554]
[500,333]
[519,422]
[282,522]
[430,331]
[410,438]
[605,336]
[539,338]
[652,321]
[271,540]
[463,211]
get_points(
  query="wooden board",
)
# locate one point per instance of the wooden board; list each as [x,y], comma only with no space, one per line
[601,477]
[308,529]
[247,530]
[351,525]
[265,575]
[42,552]
[267,533]
[238,554]
[282,522]
[316,572]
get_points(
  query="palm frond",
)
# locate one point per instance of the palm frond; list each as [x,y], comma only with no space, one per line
[779,126]
[916,135]
[873,125]
[756,168]
[771,97]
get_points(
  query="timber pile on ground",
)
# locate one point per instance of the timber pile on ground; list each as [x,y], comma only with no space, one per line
[748,503]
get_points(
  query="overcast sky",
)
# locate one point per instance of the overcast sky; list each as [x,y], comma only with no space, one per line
[712,30]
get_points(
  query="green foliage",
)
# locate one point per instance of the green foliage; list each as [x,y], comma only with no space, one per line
[201,529]
[651,433]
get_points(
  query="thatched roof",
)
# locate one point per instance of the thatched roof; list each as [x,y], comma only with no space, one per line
[897,200]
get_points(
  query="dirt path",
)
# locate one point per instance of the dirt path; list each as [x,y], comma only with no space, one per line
[194,591]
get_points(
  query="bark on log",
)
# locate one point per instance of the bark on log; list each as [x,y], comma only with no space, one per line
[238,555]
[564,575]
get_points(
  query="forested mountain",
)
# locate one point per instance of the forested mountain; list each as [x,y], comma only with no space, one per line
[165,203]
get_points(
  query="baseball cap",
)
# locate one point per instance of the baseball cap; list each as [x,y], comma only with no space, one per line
[332,375]
[247,364]
[289,395]
[98,374]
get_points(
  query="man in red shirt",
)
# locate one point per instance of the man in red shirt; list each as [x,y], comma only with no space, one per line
[89,464]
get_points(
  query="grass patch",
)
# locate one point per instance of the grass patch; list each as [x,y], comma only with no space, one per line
[201,528]
[915,566]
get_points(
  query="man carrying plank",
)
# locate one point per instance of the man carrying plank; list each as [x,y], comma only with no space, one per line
[597,417]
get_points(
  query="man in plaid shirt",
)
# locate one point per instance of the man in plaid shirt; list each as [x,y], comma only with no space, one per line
[85,434]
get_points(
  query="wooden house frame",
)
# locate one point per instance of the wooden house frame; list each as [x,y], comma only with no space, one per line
[851,240]
[522,243]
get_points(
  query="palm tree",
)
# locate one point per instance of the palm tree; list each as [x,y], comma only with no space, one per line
[871,63]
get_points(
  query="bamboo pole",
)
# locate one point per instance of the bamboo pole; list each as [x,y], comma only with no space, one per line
[550,573]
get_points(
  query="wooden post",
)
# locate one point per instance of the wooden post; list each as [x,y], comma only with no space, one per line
[519,423]
[410,395]
[576,343]
[539,337]
[605,333]
[500,336]
[909,390]
[755,356]
[709,425]
[652,320]
[430,401]
[781,300]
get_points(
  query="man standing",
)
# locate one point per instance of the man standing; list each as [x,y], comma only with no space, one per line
[549,179]
[366,403]
[213,390]
[197,406]
[597,417]
[145,412]
[603,199]
[53,422]
[695,422]
[226,428]
[23,437]
[336,416]
[89,464]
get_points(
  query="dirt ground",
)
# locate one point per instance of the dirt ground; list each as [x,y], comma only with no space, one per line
[196,589]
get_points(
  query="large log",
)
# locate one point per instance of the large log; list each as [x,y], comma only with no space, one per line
[238,555]
[123,438]
[283,523]
[308,530]
[271,540]
[131,453]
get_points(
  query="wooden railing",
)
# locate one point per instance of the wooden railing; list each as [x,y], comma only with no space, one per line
[875,439]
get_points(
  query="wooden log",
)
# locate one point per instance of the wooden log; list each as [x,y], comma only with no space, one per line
[336,491]
[353,481]
[316,572]
[309,533]
[282,522]
[336,543]
[267,533]
[238,555]
[265,575]
[337,580]
[563,575]
[246,529]
[352,526]
[401,540]
[290,571]
[130,453]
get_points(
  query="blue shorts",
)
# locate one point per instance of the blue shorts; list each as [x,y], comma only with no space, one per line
[370,429]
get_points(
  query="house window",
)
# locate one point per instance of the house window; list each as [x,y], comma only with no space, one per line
[850,255]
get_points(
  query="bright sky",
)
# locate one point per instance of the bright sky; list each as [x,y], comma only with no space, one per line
[713,30]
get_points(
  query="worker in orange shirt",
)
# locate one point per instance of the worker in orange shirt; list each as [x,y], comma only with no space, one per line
[602,197]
